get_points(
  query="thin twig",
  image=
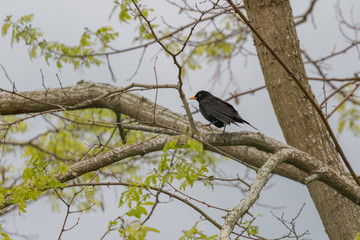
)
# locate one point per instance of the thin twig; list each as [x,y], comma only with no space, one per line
[179,88]
[42,79]
[139,64]
[207,217]
[196,200]
[338,90]
[113,77]
[344,100]
[8,78]
[156,90]
[307,13]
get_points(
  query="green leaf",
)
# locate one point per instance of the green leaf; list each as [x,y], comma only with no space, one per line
[63,168]
[357,236]
[21,207]
[113,222]
[90,194]
[170,145]
[5,236]
[195,145]
[5,28]
[142,210]
[84,40]
[27,174]
[58,64]
[32,52]
[137,212]
[148,203]
[341,125]
[124,16]
[194,233]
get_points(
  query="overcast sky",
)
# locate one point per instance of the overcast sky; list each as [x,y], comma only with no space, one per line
[65,20]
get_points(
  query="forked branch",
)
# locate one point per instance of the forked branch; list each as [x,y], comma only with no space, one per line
[246,203]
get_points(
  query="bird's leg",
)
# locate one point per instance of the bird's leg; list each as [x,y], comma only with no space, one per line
[208,125]
[224,129]
[211,128]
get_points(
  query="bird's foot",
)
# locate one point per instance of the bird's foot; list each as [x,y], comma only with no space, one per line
[208,125]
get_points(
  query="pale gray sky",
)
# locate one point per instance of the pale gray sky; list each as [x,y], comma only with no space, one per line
[65,20]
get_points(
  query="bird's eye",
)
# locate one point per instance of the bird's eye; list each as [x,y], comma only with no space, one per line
[199,94]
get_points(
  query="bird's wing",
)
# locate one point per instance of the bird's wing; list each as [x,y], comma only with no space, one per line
[215,108]
[219,109]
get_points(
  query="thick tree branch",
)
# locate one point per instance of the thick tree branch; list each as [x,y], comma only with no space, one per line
[299,159]
[250,147]
[115,155]
[246,203]
[93,95]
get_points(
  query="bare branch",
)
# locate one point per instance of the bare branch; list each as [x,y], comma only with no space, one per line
[179,66]
[252,148]
[304,16]
[290,225]
[246,203]
[184,200]
[344,100]
[113,77]
[8,78]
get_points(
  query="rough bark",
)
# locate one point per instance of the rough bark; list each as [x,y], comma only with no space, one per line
[301,125]
[247,141]
[88,94]
[252,148]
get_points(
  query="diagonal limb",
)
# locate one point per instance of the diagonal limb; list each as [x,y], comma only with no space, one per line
[246,203]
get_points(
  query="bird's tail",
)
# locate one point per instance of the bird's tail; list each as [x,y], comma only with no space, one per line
[251,125]
[244,121]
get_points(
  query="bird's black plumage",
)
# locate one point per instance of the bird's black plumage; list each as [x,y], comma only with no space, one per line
[217,111]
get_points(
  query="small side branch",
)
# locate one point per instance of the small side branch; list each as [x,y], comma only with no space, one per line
[304,16]
[178,65]
[344,100]
[246,203]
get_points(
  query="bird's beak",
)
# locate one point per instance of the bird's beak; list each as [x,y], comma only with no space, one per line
[192,98]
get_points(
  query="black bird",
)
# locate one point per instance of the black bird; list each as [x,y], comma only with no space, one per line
[217,111]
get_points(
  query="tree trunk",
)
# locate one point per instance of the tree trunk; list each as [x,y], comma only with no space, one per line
[299,121]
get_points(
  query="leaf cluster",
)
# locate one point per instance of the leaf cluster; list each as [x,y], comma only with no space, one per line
[180,164]
[350,117]
[86,53]
[36,178]
[195,234]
